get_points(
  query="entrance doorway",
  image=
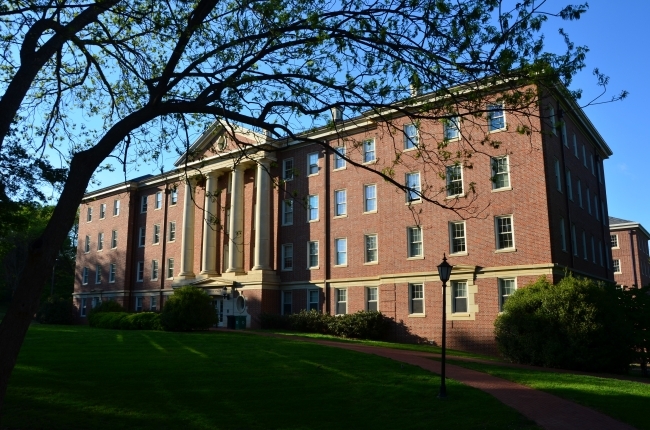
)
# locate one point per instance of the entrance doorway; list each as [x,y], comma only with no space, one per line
[218,308]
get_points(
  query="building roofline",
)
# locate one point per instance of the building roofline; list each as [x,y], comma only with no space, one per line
[629,226]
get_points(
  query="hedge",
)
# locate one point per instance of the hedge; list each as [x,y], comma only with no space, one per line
[189,308]
[125,321]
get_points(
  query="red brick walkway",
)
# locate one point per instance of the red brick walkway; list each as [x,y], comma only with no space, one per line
[548,411]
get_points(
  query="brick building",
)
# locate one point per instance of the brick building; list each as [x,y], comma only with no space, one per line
[631,263]
[290,225]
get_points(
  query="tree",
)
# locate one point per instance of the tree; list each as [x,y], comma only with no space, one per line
[144,74]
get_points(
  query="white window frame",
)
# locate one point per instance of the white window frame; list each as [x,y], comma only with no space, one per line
[412,243]
[413,191]
[286,257]
[313,252]
[453,180]
[491,110]
[102,211]
[170,268]
[411,136]
[153,304]
[584,155]
[172,231]
[585,253]
[588,201]
[551,117]
[371,251]
[575,146]
[313,305]
[287,169]
[112,269]
[340,207]
[617,266]
[451,128]
[100,241]
[460,240]
[143,204]
[370,299]
[87,244]
[157,200]
[498,233]
[113,239]
[341,251]
[502,296]
[497,173]
[116,207]
[558,174]
[84,276]
[339,160]
[156,234]
[580,193]
[596,208]
[173,197]
[155,268]
[82,307]
[287,302]
[593,170]
[313,166]
[139,271]
[287,212]
[613,239]
[142,237]
[569,185]
[367,200]
[455,289]
[98,274]
[139,303]
[369,151]
[89,215]
[416,293]
[312,204]
[341,299]
[593,250]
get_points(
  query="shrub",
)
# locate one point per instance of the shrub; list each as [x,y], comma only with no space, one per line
[107,306]
[575,324]
[125,321]
[56,310]
[310,322]
[190,308]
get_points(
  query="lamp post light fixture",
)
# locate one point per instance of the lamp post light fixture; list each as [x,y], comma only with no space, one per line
[444,271]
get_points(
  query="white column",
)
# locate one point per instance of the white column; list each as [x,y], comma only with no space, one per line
[236,228]
[262,216]
[209,248]
[187,242]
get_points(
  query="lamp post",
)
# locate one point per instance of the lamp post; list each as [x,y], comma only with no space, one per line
[444,271]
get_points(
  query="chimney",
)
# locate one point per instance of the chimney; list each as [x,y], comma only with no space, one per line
[337,114]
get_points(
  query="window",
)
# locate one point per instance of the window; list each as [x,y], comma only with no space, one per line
[82,307]
[312,210]
[156,233]
[313,300]
[584,156]
[339,161]
[604,213]
[341,249]
[368,150]
[500,173]
[139,276]
[579,193]
[154,270]
[340,200]
[569,186]
[496,117]
[564,136]
[593,171]
[413,187]
[87,244]
[138,304]
[95,302]
[451,128]
[370,198]
[116,207]
[588,201]
[173,198]
[153,304]
[575,146]
[287,212]
[371,255]
[562,235]
[312,163]
[593,250]
[170,268]
[286,302]
[84,276]
[617,266]
[102,211]
[341,301]
[158,201]
[454,181]
[584,245]
[459,291]
[599,168]
[89,214]
[100,241]
[600,253]
[287,169]
[141,236]
[506,288]
[114,239]
[371,299]
[457,237]
[558,178]
[111,272]
[574,240]
[551,117]
[312,254]
[416,292]
[287,256]
[98,274]
[596,211]
[411,136]
[614,240]
[172,231]
[414,241]
[143,204]
[505,232]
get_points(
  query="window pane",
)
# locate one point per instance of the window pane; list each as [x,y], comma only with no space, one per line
[496,117]
[454,181]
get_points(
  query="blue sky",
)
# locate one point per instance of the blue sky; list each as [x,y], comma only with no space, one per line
[617,37]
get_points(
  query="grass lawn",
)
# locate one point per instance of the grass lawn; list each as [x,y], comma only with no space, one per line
[626,401]
[404,346]
[73,377]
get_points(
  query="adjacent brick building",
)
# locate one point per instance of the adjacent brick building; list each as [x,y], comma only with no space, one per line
[631,263]
[289,224]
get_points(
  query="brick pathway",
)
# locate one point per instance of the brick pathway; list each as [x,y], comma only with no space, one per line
[548,411]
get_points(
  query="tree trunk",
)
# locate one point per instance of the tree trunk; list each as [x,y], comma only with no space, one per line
[43,251]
